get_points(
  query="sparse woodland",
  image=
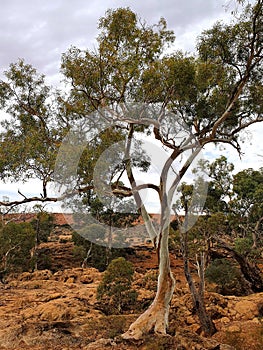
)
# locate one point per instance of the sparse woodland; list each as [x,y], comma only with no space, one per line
[201,271]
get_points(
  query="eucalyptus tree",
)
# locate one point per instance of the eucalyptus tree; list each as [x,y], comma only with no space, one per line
[31,135]
[130,86]
[192,101]
[247,201]
[195,241]
[220,184]
[231,216]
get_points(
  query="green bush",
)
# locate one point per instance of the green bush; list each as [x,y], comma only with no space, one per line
[243,246]
[149,280]
[79,252]
[43,224]
[227,277]
[16,242]
[114,293]
[100,256]
[44,261]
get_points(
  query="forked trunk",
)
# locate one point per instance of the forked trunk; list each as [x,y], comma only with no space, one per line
[156,316]
[199,308]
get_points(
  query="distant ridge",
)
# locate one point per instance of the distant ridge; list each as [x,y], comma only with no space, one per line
[62,219]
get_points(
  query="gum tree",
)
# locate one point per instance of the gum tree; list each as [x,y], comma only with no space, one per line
[30,137]
[247,188]
[191,102]
[215,95]
[225,229]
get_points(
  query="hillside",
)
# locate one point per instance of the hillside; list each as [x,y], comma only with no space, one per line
[56,309]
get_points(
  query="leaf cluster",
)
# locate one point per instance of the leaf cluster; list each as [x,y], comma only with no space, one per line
[116,286]
[227,277]
[18,240]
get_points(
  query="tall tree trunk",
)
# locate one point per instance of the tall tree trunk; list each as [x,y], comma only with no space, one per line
[156,316]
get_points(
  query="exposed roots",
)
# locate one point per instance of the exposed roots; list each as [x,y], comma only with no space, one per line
[155,318]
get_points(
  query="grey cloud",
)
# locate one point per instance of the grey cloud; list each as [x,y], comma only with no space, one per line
[177,13]
[40,31]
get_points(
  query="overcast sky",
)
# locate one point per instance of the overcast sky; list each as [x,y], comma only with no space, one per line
[41,30]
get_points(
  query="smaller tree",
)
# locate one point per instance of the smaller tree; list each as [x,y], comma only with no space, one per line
[93,254]
[234,205]
[16,242]
[85,247]
[247,203]
[187,203]
[43,224]
[115,293]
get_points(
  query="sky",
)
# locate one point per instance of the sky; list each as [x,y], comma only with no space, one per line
[40,31]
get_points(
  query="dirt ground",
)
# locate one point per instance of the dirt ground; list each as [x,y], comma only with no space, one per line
[58,311]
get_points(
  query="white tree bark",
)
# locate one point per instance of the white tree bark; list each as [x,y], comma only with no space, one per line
[156,316]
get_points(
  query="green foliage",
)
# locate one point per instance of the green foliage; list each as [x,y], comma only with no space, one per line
[219,183]
[94,151]
[226,276]
[100,256]
[29,139]
[78,239]
[79,252]
[244,247]
[125,48]
[233,203]
[131,64]
[114,293]
[43,224]
[149,281]
[16,240]
[202,233]
[248,191]
[44,261]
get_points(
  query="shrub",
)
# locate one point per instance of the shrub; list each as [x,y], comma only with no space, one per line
[43,224]
[244,247]
[114,293]
[100,256]
[44,261]
[149,280]
[227,277]
[16,242]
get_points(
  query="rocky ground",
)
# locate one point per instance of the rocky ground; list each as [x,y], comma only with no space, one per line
[45,310]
